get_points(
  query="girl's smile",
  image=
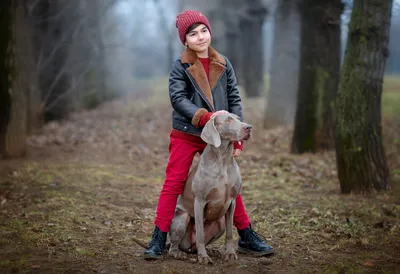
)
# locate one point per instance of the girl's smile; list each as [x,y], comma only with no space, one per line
[199,39]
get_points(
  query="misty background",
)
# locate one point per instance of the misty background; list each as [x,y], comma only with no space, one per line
[144,34]
[85,117]
[81,54]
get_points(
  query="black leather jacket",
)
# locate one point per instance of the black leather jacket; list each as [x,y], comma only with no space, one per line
[192,94]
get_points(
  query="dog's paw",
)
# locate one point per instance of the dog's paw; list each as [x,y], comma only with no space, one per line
[204,259]
[213,252]
[230,254]
[177,254]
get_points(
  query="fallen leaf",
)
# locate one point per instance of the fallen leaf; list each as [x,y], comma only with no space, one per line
[369,263]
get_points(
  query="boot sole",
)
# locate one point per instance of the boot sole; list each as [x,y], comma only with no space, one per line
[151,257]
[254,253]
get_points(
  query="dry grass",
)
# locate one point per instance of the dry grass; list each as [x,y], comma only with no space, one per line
[90,184]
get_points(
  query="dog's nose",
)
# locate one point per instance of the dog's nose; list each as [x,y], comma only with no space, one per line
[247,128]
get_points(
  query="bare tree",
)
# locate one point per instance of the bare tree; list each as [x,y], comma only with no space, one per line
[6,67]
[360,155]
[328,60]
[233,36]
[281,97]
[14,88]
[71,54]
[252,57]
[168,29]
[318,76]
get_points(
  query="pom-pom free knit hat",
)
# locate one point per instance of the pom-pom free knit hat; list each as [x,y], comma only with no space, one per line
[187,18]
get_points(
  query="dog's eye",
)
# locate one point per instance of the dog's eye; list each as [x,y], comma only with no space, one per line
[229,120]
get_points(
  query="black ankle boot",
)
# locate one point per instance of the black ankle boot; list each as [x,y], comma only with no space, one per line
[156,246]
[251,243]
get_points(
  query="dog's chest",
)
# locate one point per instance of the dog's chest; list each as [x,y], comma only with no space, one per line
[219,198]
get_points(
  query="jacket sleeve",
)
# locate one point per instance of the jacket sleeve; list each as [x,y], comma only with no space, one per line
[234,100]
[179,96]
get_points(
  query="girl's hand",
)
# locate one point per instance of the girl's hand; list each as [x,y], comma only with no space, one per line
[236,152]
[237,148]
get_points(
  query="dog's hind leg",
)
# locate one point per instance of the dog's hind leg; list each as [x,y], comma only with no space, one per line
[177,232]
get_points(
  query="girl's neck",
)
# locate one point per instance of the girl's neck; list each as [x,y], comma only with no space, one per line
[203,54]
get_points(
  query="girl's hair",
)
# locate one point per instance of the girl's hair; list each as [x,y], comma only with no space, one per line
[192,27]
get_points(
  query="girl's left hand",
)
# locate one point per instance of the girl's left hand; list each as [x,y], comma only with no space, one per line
[237,152]
[237,148]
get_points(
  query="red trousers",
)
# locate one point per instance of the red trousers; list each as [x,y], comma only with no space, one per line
[183,148]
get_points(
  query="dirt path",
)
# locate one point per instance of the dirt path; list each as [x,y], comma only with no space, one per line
[90,185]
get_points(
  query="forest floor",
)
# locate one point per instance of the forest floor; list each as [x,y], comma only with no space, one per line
[89,186]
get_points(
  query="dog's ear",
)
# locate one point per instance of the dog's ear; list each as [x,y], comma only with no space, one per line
[210,135]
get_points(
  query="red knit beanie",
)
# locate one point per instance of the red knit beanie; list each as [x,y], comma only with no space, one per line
[187,18]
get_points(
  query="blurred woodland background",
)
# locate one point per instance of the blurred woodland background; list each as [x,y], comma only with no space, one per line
[84,110]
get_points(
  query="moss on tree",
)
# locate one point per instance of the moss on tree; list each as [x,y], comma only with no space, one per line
[360,154]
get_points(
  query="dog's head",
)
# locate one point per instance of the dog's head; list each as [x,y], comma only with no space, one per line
[225,127]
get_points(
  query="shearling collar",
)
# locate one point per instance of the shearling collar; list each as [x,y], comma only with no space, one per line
[217,67]
[190,56]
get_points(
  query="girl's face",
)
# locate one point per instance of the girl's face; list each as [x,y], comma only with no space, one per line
[198,39]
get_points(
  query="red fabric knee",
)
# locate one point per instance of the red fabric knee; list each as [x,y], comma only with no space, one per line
[180,160]
[240,218]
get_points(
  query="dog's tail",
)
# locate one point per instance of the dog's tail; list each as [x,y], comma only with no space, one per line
[139,242]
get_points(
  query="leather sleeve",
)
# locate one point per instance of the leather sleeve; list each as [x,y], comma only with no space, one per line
[234,100]
[178,92]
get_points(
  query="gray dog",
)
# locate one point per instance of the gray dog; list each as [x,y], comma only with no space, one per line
[205,208]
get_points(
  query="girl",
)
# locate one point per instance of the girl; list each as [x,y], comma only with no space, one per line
[202,83]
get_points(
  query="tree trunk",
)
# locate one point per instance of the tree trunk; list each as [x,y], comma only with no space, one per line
[251,27]
[319,75]
[307,94]
[232,50]
[101,76]
[28,71]
[360,155]
[230,14]
[170,49]
[13,141]
[5,70]
[168,31]
[328,63]
[281,97]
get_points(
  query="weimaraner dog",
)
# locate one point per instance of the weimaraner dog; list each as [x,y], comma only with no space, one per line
[205,208]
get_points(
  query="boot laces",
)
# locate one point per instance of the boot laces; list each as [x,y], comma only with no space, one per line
[254,237]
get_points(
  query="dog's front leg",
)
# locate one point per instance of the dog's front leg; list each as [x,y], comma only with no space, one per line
[230,253]
[199,222]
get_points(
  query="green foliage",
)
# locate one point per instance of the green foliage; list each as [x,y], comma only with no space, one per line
[391,96]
